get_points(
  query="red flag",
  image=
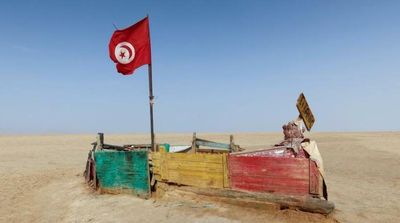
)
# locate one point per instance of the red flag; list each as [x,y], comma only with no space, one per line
[130,48]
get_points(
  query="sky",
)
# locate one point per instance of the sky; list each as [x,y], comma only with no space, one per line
[218,66]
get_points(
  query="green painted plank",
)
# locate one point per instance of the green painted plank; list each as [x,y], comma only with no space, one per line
[216,145]
[123,171]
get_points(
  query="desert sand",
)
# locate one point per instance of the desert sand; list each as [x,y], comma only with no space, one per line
[41,181]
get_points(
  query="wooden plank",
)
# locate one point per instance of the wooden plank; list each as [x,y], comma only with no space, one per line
[304,203]
[198,179]
[195,166]
[226,171]
[315,178]
[214,145]
[290,176]
[194,169]
[272,185]
[193,157]
[269,167]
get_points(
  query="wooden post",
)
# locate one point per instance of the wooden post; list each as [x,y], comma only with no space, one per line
[100,140]
[194,146]
[231,144]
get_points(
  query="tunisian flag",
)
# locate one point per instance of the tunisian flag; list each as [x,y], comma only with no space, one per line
[130,48]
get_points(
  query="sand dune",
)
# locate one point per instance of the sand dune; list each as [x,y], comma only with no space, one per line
[41,181]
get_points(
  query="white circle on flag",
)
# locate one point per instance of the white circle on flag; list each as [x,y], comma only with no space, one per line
[124,52]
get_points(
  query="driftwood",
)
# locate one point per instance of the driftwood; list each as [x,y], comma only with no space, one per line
[307,204]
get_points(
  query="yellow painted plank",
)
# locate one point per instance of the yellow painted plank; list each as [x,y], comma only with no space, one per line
[197,179]
[196,166]
[196,157]
[198,169]
[188,173]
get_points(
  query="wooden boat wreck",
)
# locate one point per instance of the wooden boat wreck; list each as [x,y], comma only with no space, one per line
[290,174]
[286,174]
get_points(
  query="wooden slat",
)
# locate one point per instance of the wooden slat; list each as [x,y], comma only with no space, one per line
[214,145]
[193,157]
[315,178]
[198,179]
[195,166]
[226,171]
[304,203]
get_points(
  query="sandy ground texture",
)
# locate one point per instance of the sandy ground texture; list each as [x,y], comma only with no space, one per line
[41,181]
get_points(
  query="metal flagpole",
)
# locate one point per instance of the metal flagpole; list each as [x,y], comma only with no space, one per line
[151,101]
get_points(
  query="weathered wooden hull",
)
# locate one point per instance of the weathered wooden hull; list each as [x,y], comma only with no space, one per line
[123,172]
[264,175]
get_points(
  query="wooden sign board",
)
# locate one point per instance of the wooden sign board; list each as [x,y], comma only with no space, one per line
[305,112]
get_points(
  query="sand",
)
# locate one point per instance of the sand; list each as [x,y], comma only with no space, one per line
[41,181]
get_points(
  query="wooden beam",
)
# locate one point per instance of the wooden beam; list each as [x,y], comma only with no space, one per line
[307,204]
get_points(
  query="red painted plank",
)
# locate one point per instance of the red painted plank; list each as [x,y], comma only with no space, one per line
[269,171]
[266,160]
[270,174]
[271,181]
[300,191]
[271,185]
[278,152]
[267,166]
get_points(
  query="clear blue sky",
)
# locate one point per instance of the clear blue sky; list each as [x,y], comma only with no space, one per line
[218,66]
